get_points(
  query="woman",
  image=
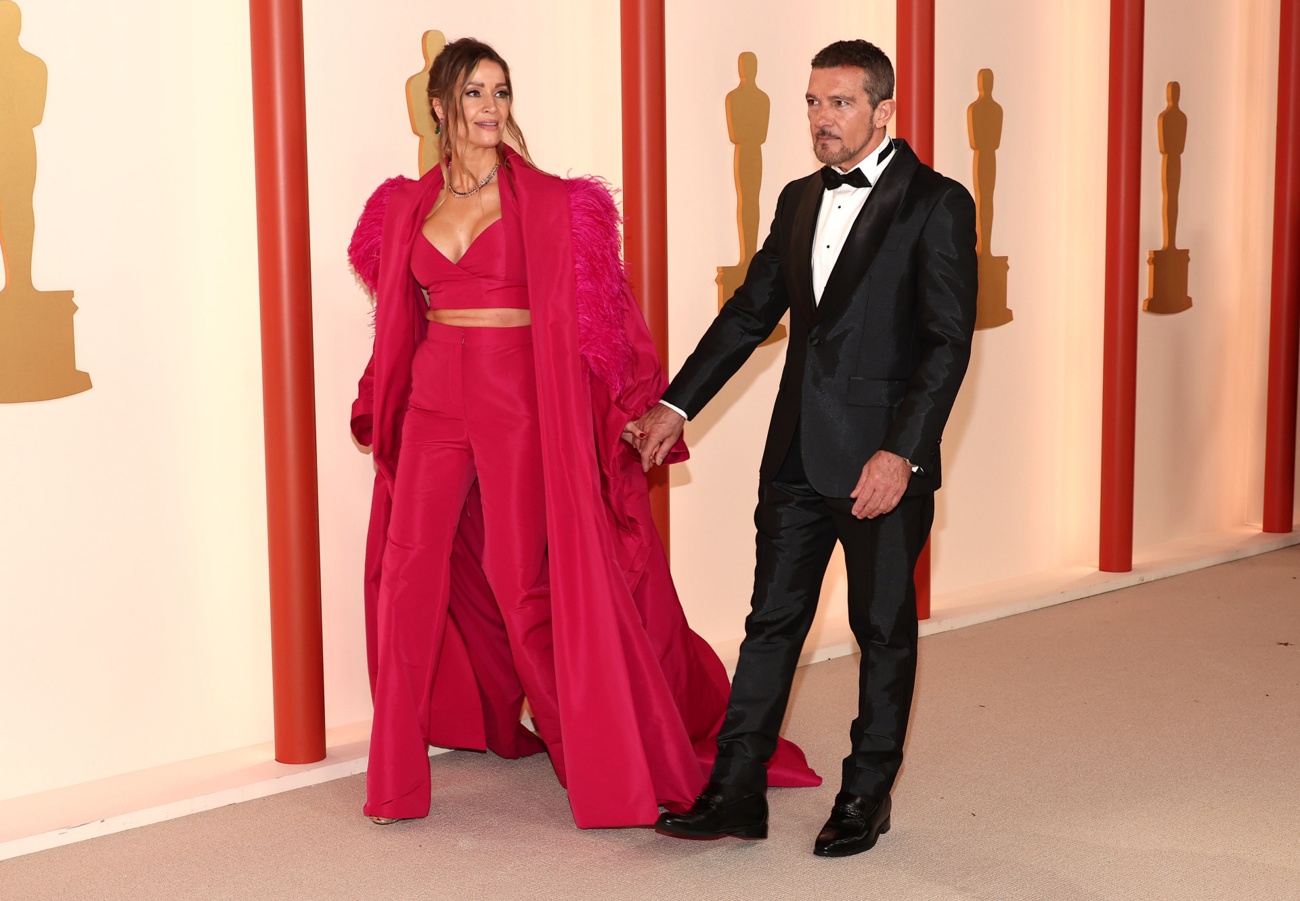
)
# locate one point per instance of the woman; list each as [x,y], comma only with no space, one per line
[511,549]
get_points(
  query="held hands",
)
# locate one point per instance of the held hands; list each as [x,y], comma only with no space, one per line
[632,434]
[881,485]
[660,428]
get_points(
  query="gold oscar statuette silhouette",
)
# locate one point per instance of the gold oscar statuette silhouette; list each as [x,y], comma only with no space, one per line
[417,102]
[984,122]
[748,112]
[36,348]
[1167,267]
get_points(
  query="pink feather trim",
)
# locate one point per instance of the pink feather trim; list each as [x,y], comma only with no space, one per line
[363,249]
[601,280]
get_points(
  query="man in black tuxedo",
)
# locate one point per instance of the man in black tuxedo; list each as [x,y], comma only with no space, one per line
[874,256]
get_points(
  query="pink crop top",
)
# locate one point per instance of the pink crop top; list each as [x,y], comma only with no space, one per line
[489,275]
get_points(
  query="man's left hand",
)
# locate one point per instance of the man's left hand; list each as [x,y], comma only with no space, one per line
[661,427]
[881,485]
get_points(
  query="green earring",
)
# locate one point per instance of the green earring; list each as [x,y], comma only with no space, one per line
[437,127]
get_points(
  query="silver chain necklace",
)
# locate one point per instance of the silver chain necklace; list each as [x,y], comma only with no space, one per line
[470,193]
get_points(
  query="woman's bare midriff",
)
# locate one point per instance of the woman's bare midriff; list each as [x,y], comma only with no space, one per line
[491,318]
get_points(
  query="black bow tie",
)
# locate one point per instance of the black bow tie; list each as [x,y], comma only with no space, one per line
[833,178]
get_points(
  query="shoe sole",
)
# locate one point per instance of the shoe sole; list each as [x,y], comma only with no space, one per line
[853,849]
[753,833]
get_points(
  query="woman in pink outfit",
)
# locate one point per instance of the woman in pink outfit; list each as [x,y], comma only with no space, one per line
[511,551]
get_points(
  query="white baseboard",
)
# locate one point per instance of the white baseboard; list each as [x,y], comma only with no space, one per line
[76,813]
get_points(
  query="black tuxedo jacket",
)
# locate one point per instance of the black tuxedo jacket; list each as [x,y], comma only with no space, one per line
[878,362]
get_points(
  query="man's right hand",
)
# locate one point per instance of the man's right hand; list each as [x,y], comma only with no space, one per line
[661,428]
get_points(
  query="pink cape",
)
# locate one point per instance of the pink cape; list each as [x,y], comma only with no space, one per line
[640,695]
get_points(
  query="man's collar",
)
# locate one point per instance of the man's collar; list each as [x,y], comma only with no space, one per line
[875,162]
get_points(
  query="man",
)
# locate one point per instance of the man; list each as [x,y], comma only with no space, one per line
[874,256]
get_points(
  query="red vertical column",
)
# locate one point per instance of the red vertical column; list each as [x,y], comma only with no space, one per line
[1123,209]
[288,390]
[915,76]
[1284,320]
[645,188]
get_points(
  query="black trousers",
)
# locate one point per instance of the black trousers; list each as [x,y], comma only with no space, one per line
[797,531]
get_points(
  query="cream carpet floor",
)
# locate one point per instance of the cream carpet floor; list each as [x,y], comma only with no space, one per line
[1143,744]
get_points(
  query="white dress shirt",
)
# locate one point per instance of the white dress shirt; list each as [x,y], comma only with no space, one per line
[839,210]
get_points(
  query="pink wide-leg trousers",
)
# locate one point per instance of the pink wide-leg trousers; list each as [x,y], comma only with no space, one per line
[472,416]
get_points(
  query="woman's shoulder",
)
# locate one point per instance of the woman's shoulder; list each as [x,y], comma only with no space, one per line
[389,188]
[531,176]
[528,177]
[591,189]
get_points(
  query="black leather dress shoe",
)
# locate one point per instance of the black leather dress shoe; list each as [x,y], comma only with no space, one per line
[855,824]
[719,810]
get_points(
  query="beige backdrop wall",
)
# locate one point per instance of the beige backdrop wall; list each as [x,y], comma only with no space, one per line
[132,538]
[1023,451]
[1024,445]
[132,517]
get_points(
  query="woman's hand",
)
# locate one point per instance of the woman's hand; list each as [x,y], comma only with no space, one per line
[633,435]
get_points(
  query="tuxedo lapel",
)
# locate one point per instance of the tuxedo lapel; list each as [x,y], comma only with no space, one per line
[868,231]
[801,243]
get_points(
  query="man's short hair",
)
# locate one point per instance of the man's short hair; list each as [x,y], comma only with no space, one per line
[879,83]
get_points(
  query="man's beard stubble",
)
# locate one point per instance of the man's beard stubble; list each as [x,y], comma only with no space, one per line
[827,156]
